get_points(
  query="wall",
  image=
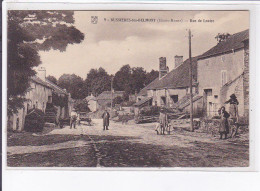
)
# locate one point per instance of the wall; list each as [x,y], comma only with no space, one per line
[235,87]
[92,105]
[209,70]
[209,74]
[157,94]
[246,80]
[36,94]
[197,108]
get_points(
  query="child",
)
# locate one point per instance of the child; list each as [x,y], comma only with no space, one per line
[158,128]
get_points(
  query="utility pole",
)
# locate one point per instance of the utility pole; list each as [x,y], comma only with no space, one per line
[112,92]
[191,102]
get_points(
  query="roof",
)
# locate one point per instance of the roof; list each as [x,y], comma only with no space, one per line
[233,42]
[142,101]
[38,80]
[56,88]
[91,97]
[143,92]
[185,101]
[105,95]
[177,78]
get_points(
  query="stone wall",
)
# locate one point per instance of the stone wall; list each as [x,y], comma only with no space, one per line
[246,79]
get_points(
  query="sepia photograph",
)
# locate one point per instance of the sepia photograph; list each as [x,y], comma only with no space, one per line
[129,89]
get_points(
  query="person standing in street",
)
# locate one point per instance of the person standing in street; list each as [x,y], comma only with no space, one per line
[73,119]
[223,127]
[105,117]
[233,111]
[163,120]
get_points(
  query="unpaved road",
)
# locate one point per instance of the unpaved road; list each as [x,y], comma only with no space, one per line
[128,145]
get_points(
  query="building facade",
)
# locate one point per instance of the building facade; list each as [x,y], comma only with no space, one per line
[38,95]
[168,89]
[224,70]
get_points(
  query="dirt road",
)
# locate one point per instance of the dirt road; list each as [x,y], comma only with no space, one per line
[127,145]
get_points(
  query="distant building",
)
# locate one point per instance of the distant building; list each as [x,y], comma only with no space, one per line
[169,88]
[224,70]
[104,99]
[92,103]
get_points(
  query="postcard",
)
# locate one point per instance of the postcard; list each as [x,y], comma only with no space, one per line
[126,89]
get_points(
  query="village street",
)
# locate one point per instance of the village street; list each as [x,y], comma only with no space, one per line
[129,145]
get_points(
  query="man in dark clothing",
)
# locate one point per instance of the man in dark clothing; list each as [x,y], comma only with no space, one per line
[105,117]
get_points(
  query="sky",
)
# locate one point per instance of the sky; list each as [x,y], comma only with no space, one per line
[112,44]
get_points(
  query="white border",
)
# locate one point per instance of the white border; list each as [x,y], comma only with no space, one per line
[254,58]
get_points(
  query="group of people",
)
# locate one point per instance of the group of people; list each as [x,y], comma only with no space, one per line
[163,124]
[233,115]
[75,119]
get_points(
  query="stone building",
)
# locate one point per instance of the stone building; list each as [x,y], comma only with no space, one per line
[40,95]
[170,87]
[92,103]
[37,95]
[104,99]
[224,70]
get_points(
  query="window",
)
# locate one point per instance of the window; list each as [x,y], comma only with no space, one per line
[208,92]
[223,58]
[174,98]
[223,77]
[163,100]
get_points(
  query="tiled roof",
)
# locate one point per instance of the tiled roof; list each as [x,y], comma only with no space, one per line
[177,78]
[233,42]
[143,92]
[143,101]
[56,88]
[107,95]
[38,80]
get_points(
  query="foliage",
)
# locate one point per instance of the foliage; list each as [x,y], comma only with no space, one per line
[118,100]
[28,33]
[132,80]
[34,121]
[81,106]
[14,104]
[97,81]
[151,76]
[52,79]
[74,85]
[60,100]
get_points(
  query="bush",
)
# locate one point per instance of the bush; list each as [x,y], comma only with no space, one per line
[34,121]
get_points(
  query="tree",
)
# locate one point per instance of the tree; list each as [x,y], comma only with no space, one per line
[28,33]
[98,81]
[81,106]
[52,79]
[122,79]
[74,85]
[138,78]
[151,76]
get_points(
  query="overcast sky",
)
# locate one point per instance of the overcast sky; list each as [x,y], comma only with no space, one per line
[140,44]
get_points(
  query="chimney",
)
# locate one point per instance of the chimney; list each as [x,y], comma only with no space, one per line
[41,73]
[163,69]
[178,60]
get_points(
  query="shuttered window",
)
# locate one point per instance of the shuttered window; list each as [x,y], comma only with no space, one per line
[223,77]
